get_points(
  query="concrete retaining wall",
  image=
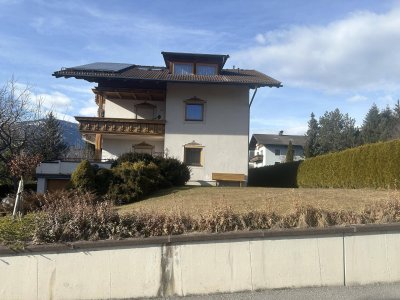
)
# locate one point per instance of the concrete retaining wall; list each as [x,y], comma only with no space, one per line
[201,264]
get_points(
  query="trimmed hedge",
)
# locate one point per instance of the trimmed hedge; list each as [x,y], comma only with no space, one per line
[368,166]
[281,175]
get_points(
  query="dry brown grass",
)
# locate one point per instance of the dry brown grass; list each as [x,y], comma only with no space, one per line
[203,200]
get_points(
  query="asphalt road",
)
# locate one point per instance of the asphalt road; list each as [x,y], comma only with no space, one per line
[366,292]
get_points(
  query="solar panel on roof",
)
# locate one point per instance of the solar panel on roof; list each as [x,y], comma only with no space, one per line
[103,66]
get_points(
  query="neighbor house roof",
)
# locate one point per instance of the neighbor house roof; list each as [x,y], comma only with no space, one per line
[99,71]
[276,139]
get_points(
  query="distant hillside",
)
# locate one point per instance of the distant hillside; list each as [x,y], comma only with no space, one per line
[71,133]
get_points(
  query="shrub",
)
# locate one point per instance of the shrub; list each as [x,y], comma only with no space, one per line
[280,175]
[134,180]
[175,172]
[83,178]
[368,166]
[102,181]
[133,157]
[71,216]
[6,189]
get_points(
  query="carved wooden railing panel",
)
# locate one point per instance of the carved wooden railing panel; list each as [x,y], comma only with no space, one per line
[121,126]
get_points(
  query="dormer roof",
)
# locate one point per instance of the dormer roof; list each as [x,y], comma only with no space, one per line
[218,59]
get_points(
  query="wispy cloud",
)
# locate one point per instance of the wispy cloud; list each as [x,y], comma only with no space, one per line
[89,109]
[357,98]
[361,51]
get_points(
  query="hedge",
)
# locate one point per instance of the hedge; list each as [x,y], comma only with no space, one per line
[280,175]
[368,166]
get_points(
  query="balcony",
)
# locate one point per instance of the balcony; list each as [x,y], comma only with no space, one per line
[91,125]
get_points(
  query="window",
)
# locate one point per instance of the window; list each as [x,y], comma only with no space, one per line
[206,69]
[277,163]
[183,68]
[194,111]
[277,151]
[193,154]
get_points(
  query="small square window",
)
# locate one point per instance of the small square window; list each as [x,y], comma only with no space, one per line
[206,69]
[193,156]
[183,69]
[277,151]
[194,111]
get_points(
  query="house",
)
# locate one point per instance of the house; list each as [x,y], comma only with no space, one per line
[271,149]
[191,109]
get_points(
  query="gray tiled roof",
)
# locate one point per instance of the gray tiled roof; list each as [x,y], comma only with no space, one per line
[276,139]
[137,72]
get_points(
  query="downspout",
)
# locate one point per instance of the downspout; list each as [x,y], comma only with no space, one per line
[252,98]
[248,134]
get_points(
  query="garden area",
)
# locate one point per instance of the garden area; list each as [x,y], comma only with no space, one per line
[143,196]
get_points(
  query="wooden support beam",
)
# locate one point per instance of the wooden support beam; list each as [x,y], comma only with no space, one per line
[98,146]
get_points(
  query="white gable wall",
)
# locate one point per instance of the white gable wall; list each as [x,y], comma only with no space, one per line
[269,157]
[223,133]
[125,108]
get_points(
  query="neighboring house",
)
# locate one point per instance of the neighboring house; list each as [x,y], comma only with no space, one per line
[271,149]
[191,109]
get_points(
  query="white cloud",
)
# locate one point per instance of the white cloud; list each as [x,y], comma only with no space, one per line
[357,98]
[359,52]
[260,38]
[55,100]
[89,109]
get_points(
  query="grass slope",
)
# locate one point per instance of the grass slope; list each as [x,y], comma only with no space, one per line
[200,200]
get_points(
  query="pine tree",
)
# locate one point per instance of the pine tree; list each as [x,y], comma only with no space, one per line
[370,130]
[290,153]
[50,143]
[337,132]
[386,124]
[311,146]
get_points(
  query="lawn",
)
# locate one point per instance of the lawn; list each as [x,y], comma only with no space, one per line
[200,200]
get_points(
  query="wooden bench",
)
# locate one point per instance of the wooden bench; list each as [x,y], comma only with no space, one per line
[229,177]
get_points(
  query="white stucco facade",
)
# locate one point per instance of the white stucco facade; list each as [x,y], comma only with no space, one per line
[276,154]
[191,109]
[223,133]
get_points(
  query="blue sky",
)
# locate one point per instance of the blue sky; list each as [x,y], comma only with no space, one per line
[328,54]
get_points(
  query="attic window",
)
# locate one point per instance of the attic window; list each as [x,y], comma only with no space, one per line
[203,69]
[183,68]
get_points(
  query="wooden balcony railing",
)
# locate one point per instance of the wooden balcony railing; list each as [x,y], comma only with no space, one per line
[121,126]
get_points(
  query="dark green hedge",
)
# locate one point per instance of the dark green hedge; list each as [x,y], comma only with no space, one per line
[281,175]
[369,166]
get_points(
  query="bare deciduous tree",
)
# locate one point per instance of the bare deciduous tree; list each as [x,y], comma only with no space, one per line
[17,113]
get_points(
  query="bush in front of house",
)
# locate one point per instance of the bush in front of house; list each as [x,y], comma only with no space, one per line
[281,175]
[134,157]
[368,166]
[132,181]
[132,177]
[83,178]
[174,171]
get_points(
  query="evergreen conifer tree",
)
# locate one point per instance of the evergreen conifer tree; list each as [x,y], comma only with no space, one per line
[290,153]
[370,130]
[50,143]
[311,146]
